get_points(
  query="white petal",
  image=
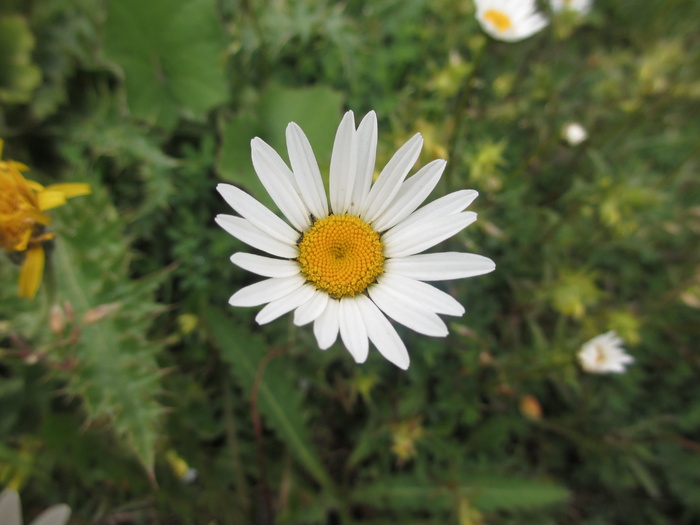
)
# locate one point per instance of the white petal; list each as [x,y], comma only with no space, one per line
[280,184]
[352,329]
[10,508]
[394,306]
[306,171]
[440,266]
[247,232]
[411,195]
[442,207]
[389,181]
[257,213]
[382,334]
[429,297]
[366,157]
[265,266]
[343,165]
[56,515]
[425,235]
[265,291]
[311,309]
[281,306]
[326,325]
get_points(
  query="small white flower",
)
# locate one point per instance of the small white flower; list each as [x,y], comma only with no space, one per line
[347,264]
[579,6]
[574,133]
[509,20]
[604,354]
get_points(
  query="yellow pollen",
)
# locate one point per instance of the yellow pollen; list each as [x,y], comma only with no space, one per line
[341,255]
[499,19]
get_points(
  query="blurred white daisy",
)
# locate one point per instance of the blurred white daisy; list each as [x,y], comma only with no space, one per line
[604,354]
[578,6]
[11,511]
[509,20]
[574,133]
[347,264]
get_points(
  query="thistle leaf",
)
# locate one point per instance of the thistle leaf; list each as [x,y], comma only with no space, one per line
[116,374]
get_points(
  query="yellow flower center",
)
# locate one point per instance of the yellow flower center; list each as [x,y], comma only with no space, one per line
[499,19]
[341,255]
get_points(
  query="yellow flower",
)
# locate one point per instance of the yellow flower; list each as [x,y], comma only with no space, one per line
[23,221]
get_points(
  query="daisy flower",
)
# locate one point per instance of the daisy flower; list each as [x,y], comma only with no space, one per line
[347,262]
[509,20]
[578,6]
[11,511]
[604,354]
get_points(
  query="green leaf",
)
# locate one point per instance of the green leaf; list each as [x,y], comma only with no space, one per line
[486,492]
[496,492]
[115,375]
[69,37]
[19,76]
[316,110]
[172,55]
[278,399]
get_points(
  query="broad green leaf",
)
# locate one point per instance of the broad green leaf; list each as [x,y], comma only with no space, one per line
[278,399]
[316,110]
[19,76]
[172,55]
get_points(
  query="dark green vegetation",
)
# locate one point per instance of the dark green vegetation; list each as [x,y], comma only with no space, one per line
[155,101]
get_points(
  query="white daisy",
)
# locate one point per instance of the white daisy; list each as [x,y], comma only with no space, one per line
[578,6]
[509,20]
[344,262]
[604,354]
[11,511]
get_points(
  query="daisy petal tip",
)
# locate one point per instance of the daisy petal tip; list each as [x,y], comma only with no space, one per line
[262,318]
[360,359]
[233,300]
[221,218]
[293,128]
[324,345]
[403,365]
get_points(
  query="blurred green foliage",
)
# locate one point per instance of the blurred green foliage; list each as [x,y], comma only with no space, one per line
[130,390]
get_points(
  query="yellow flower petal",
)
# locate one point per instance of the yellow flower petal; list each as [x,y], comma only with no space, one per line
[20,166]
[71,189]
[23,241]
[48,199]
[32,271]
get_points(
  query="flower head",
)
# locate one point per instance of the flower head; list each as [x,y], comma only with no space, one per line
[579,6]
[509,20]
[604,354]
[347,262]
[23,221]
